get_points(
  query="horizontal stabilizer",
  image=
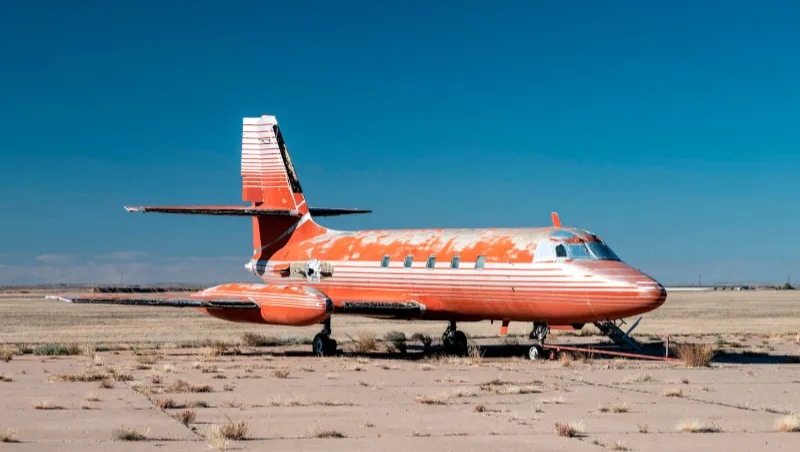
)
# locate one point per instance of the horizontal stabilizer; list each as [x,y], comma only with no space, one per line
[158,302]
[245,211]
[332,212]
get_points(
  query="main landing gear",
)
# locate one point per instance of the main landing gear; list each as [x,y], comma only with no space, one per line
[538,334]
[454,341]
[323,345]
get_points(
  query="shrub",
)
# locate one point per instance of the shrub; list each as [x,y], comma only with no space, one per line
[128,434]
[234,430]
[57,349]
[695,355]
[397,339]
[186,417]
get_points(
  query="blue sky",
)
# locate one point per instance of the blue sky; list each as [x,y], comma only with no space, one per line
[669,128]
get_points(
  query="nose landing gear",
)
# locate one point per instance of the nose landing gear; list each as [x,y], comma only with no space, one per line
[538,334]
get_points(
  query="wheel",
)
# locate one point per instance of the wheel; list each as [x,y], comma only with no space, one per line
[330,347]
[535,352]
[319,346]
[455,344]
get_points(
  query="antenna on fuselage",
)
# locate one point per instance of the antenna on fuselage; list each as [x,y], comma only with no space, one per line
[556,220]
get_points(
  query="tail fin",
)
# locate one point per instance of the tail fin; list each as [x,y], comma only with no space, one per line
[269,183]
[269,180]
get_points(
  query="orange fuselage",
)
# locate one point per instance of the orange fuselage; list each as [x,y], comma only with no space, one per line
[463,274]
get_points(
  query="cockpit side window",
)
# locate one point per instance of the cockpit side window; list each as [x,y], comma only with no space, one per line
[560,250]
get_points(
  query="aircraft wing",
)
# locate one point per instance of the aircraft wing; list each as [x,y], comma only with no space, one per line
[166,301]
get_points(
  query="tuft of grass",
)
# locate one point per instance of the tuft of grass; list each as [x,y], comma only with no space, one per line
[397,339]
[179,386]
[620,445]
[673,392]
[425,339]
[282,372]
[475,354]
[92,397]
[165,403]
[107,384]
[128,434]
[74,378]
[569,430]
[6,354]
[695,355]
[259,340]
[5,378]
[365,343]
[186,417]
[45,405]
[235,430]
[9,435]
[643,428]
[58,350]
[431,399]
[695,426]
[479,408]
[788,424]
[639,378]
[216,440]
[197,404]
[330,433]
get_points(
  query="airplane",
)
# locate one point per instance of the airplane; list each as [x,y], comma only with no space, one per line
[554,277]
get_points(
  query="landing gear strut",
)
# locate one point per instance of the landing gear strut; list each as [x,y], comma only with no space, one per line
[454,341]
[323,345]
[538,334]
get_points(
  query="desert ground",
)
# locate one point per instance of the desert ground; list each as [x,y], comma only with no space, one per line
[156,378]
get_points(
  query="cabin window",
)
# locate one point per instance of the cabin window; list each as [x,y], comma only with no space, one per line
[455,262]
[385,261]
[431,262]
[480,262]
[407,262]
[561,251]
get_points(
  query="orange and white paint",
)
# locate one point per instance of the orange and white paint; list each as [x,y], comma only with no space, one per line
[555,275]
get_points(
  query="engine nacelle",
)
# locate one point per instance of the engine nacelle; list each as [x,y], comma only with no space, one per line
[293,305]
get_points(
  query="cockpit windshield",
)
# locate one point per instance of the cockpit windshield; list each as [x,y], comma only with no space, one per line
[601,251]
[578,251]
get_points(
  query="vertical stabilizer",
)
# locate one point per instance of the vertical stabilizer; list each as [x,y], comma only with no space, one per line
[269,180]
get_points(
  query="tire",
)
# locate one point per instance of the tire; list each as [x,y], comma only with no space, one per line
[535,353]
[319,346]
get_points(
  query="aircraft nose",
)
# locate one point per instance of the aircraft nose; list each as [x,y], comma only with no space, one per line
[652,293]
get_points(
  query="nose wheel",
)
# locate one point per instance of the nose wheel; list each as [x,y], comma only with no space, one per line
[538,334]
[323,345]
[454,341]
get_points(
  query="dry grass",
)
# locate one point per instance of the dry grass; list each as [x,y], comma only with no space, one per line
[74,378]
[620,445]
[235,430]
[92,397]
[614,408]
[789,423]
[695,426]
[179,386]
[107,384]
[216,440]
[673,392]
[5,378]
[569,430]
[282,372]
[440,399]
[639,378]
[328,433]
[165,403]
[58,349]
[186,417]
[45,405]
[365,343]
[128,434]
[9,435]
[643,428]
[479,408]
[695,355]
[6,354]
[197,404]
